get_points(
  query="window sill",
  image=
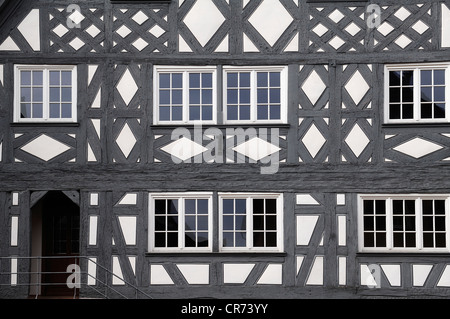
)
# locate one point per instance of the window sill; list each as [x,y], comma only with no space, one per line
[415,125]
[221,126]
[45,124]
[217,254]
[402,254]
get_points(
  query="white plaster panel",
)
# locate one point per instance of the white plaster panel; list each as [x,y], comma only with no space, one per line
[305,228]
[313,140]
[45,147]
[128,225]
[92,271]
[306,199]
[159,275]
[445,29]
[256,149]
[93,222]
[271,19]
[236,273]
[316,273]
[117,271]
[444,281]
[204,19]
[420,274]
[342,230]
[393,274]
[195,274]
[14,230]
[126,140]
[342,272]
[29,27]
[273,275]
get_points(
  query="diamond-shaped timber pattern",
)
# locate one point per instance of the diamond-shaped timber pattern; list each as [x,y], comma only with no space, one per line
[88,37]
[341,29]
[408,27]
[141,30]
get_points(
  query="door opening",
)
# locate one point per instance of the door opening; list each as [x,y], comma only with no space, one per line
[55,237]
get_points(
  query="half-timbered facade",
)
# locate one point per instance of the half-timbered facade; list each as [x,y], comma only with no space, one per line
[225,148]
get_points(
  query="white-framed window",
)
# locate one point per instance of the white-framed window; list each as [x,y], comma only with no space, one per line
[417,93]
[45,93]
[404,223]
[180,222]
[185,94]
[250,222]
[255,94]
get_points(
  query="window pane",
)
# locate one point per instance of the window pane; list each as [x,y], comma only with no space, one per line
[164,80]
[55,78]
[25,94]
[232,96]
[202,239]
[202,223]
[440,240]
[275,79]
[368,207]
[439,207]
[271,223]
[172,239]
[66,94]
[202,206]
[240,222]
[164,113]
[194,80]
[258,239]
[271,239]
[426,111]
[177,97]
[244,112]
[407,78]
[271,206]
[207,97]
[439,77]
[190,223]
[263,112]
[172,206]
[207,113]
[380,223]
[397,207]
[426,94]
[410,239]
[232,80]
[440,223]
[425,77]
[177,113]
[66,77]
[369,223]
[381,239]
[369,240]
[194,113]
[241,239]
[228,206]
[55,95]
[207,80]
[408,111]
[55,111]
[232,112]
[66,111]
[258,222]
[394,95]
[228,222]
[398,240]
[25,77]
[38,111]
[262,79]
[258,206]
[408,94]
[160,223]
[275,96]
[380,207]
[244,78]
[275,112]
[263,96]
[160,206]
[160,240]
[410,207]
[177,80]
[428,240]
[244,96]
[25,110]
[164,97]
[172,223]
[394,112]
[439,110]
[439,93]
[394,78]
[228,240]
[427,207]
[194,97]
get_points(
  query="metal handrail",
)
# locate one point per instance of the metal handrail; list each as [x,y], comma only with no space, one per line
[88,275]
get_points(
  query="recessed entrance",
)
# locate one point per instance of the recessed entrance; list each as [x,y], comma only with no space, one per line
[55,235]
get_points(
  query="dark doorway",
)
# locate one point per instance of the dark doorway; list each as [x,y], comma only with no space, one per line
[59,219]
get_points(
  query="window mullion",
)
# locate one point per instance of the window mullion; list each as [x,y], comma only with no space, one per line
[181,226]
[249,218]
[389,224]
[416,84]
[185,93]
[46,94]
[253,96]
[419,224]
